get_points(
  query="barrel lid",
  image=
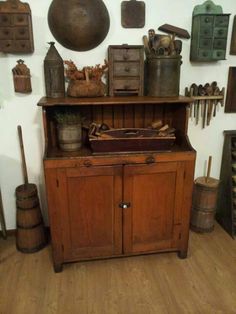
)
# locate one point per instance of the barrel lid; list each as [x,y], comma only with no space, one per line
[26,190]
[210,183]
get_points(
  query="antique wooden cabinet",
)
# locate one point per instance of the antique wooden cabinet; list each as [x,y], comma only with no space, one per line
[119,204]
[209,33]
[126,70]
[226,207]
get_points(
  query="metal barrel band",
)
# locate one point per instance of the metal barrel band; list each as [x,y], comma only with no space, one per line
[28,208]
[33,250]
[30,227]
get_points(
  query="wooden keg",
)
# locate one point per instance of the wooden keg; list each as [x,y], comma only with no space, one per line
[30,235]
[204,204]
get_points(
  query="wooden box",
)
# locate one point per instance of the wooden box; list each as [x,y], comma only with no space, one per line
[16,34]
[209,33]
[126,70]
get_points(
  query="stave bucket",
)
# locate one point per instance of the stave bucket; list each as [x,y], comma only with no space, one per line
[204,204]
[30,236]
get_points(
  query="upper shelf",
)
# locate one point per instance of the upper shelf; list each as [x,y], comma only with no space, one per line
[129,100]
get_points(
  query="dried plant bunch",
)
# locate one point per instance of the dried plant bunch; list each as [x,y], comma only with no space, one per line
[95,73]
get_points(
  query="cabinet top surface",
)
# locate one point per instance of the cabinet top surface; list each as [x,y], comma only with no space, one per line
[47,102]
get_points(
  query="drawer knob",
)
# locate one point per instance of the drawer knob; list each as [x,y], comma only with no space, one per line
[124,205]
[150,160]
[87,163]
[127,69]
[126,86]
[126,57]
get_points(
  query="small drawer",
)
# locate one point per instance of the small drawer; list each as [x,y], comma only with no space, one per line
[220,32]
[204,54]
[205,43]
[23,46]
[218,54]
[20,19]
[5,19]
[126,54]
[21,33]
[6,33]
[126,68]
[126,85]
[6,45]
[206,32]
[222,21]
[206,20]
[219,43]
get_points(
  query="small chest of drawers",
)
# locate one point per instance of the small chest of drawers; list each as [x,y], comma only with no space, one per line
[209,33]
[126,70]
[16,35]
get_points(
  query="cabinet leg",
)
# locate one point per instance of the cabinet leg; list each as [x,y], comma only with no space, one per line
[58,267]
[182,254]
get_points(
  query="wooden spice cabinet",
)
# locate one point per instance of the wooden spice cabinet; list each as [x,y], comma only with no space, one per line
[119,204]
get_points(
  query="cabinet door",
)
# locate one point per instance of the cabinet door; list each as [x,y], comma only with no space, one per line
[89,204]
[155,193]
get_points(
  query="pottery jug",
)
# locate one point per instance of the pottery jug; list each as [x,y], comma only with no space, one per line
[78,25]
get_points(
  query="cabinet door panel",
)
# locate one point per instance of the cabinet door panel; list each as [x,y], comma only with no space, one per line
[90,208]
[153,220]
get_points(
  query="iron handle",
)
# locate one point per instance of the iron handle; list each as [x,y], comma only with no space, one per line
[87,163]
[150,160]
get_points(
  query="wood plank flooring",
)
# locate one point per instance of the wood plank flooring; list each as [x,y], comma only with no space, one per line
[204,283]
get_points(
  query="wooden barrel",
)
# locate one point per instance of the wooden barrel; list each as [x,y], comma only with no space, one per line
[204,204]
[69,136]
[30,236]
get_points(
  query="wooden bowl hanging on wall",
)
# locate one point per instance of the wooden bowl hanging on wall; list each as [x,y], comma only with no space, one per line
[79,25]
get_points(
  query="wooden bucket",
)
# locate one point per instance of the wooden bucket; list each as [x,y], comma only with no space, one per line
[69,136]
[30,235]
[204,204]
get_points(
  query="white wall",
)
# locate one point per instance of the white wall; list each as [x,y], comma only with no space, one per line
[22,109]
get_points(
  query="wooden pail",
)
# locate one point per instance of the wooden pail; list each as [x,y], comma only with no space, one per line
[69,137]
[30,236]
[204,204]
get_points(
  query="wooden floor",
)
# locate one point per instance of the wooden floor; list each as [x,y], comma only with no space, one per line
[203,283]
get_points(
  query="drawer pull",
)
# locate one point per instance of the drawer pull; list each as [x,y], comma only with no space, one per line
[127,69]
[150,160]
[126,57]
[127,86]
[87,163]
[124,205]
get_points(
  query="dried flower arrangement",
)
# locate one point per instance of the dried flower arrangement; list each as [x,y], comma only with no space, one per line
[86,82]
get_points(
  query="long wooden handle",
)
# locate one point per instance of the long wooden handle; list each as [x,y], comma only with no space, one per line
[2,218]
[22,155]
[209,168]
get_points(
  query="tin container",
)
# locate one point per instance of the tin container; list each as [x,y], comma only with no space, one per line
[54,73]
[163,76]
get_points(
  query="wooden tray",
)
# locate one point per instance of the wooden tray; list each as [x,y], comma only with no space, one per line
[130,140]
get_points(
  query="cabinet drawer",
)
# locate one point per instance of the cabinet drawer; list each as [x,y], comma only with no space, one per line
[5,19]
[204,54]
[22,45]
[205,43]
[218,54]
[206,32]
[221,21]
[220,32]
[6,33]
[126,54]
[21,33]
[219,43]
[126,68]
[6,45]
[207,20]
[127,84]
[20,19]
